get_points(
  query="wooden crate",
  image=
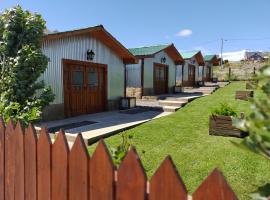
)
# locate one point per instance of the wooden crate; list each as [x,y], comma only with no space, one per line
[244,94]
[222,126]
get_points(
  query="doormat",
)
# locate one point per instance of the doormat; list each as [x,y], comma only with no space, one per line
[69,126]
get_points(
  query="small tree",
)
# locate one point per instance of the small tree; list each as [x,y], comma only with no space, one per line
[22,95]
[258,122]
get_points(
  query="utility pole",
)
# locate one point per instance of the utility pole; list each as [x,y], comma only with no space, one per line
[221,52]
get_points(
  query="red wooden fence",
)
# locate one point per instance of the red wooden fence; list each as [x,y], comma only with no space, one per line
[32,168]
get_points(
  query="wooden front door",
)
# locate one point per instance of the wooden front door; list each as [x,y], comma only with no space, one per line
[84,88]
[160,79]
[191,75]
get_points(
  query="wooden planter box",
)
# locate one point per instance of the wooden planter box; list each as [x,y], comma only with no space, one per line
[244,95]
[178,89]
[251,85]
[222,126]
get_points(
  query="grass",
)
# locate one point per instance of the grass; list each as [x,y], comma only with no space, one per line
[184,136]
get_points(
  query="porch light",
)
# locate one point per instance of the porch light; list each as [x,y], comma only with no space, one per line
[163,60]
[90,54]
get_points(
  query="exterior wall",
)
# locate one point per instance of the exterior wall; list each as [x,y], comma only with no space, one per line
[179,74]
[210,66]
[75,48]
[200,73]
[149,71]
[198,70]
[134,75]
[171,70]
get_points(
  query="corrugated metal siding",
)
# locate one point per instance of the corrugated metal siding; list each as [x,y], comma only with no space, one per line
[197,72]
[179,74]
[171,64]
[75,48]
[134,75]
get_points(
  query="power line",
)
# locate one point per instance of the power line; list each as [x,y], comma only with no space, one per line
[244,39]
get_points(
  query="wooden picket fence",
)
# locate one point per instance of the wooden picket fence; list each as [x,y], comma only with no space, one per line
[32,168]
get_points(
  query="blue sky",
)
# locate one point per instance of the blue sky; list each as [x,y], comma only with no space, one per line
[189,24]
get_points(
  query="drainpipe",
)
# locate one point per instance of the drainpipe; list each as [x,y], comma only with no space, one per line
[125,82]
[183,65]
[142,75]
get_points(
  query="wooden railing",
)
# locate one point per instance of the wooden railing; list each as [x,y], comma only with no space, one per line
[32,168]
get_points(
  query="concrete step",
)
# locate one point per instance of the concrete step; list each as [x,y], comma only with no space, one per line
[149,97]
[171,108]
[172,103]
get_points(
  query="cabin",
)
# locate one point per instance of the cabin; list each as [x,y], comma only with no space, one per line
[192,70]
[255,56]
[155,72]
[210,61]
[86,71]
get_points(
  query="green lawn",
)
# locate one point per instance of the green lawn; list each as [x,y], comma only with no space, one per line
[184,136]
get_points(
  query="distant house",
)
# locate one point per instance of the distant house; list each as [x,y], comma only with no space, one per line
[193,68]
[255,56]
[86,71]
[210,61]
[155,72]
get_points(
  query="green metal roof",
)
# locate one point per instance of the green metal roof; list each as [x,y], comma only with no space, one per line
[208,58]
[150,50]
[188,55]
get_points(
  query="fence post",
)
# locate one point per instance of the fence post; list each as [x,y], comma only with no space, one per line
[2,158]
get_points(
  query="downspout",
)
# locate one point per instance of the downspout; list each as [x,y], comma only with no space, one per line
[125,82]
[142,76]
[183,65]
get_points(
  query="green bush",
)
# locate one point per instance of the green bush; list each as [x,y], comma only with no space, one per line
[225,110]
[22,94]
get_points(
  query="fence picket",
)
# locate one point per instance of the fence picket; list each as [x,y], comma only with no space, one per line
[78,170]
[19,162]
[44,166]
[166,183]
[214,187]
[101,174]
[60,151]
[131,178]
[2,158]
[9,161]
[30,163]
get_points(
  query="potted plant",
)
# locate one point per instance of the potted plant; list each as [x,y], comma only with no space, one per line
[221,122]
[178,88]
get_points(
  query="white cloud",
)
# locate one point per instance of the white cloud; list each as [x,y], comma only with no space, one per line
[184,33]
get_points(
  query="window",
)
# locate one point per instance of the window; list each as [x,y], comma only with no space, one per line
[93,78]
[77,78]
[161,74]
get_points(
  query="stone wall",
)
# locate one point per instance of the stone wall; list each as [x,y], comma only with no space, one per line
[134,92]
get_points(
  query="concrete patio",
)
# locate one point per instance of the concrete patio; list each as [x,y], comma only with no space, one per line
[106,123]
[148,108]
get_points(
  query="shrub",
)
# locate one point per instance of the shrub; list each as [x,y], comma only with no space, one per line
[225,110]
[22,94]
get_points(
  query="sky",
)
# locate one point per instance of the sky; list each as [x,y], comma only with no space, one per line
[189,24]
